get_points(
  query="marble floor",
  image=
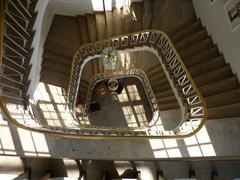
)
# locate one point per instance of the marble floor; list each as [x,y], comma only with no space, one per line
[131,109]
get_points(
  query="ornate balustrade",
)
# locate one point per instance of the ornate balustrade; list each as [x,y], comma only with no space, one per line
[160,43]
[155,40]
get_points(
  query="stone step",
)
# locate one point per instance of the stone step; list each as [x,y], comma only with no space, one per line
[156,77]
[196,48]
[109,15]
[207,66]
[169,106]
[159,82]
[128,23]
[226,98]
[201,57]
[188,31]
[92,29]
[59,48]
[190,41]
[220,86]
[83,29]
[155,71]
[117,22]
[57,58]
[147,16]
[100,25]
[84,83]
[228,111]
[164,94]
[167,100]
[58,66]
[59,39]
[214,76]
[138,11]
[50,76]
[163,88]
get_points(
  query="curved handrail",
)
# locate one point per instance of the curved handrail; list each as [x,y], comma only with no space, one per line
[162,45]
[151,38]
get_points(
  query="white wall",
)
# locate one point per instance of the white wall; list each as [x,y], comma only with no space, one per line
[215,19]
[41,26]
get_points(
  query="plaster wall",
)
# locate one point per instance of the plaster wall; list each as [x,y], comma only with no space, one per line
[41,27]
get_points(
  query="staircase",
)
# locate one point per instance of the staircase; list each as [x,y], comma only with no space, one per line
[17,39]
[212,75]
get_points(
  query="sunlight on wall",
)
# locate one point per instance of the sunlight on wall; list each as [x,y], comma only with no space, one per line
[98,5]
[200,144]
[33,144]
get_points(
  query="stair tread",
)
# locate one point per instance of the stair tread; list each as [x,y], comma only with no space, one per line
[219,86]
[138,11]
[207,66]
[163,94]
[227,111]
[109,15]
[117,22]
[92,29]
[202,57]
[128,23]
[56,57]
[100,25]
[191,40]
[213,76]
[167,100]
[196,48]
[51,78]
[83,28]
[147,16]
[225,98]
[168,106]
[186,32]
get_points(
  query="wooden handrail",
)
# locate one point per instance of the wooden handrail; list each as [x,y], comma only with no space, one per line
[116,133]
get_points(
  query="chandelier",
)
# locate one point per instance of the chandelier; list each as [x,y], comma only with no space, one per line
[109,58]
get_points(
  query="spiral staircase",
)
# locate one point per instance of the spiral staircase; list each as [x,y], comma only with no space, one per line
[180,68]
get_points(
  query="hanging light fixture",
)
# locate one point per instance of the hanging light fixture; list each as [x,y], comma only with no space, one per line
[109,54]
[109,57]
[110,60]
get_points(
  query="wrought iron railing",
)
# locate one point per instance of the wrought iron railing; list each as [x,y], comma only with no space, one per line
[154,40]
